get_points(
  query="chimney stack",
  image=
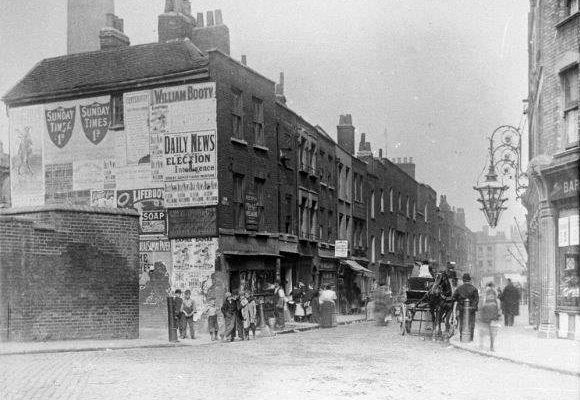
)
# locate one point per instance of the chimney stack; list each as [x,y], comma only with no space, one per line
[345,133]
[111,35]
[279,89]
[380,154]
[213,36]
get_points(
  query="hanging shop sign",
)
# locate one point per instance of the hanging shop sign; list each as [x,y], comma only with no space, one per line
[251,211]
[341,248]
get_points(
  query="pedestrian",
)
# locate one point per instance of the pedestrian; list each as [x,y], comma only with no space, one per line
[188,309]
[252,311]
[510,299]
[299,298]
[315,304]
[229,310]
[212,319]
[239,319]
[308,295]
[489,316]
[280,303]
[466,291]
[327,306]
[177,302]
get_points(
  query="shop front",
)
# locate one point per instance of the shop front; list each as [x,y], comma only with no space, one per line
[354,285]
[564,185]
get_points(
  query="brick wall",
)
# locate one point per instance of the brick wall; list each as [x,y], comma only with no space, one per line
[68,273]
[244,156]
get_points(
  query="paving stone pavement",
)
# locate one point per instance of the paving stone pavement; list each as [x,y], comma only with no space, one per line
[359,361]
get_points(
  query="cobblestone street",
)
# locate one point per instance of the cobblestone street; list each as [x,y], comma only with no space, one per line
[357,361]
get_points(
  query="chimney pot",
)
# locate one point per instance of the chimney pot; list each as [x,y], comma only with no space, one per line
[411,160]
[404,160]
[218,17]
[398,160]
[200,23]
[186,7]
[381,154]
[244,60]
[210,21]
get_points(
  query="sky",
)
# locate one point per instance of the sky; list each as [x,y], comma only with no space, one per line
[428,79]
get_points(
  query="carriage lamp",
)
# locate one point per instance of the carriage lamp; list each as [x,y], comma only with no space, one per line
[505,157]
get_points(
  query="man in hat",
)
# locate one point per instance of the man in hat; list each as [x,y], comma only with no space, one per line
[466,292]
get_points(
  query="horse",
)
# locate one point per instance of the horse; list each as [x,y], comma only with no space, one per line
[439,298]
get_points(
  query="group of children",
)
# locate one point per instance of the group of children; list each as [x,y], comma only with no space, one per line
[239,313]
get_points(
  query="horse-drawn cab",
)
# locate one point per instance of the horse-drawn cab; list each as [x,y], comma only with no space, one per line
[419,283]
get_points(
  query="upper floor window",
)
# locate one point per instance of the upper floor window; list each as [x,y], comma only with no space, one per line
[414,210]
[425,214]
[373,204]
[258,121]
[570,92]
[238,201]
[400,202]
[259,189]
[237,114]
[572,6]
[373,250]
[382,241]
[391,207]
[346,181]
[382,201]
[117,112]
[408,210]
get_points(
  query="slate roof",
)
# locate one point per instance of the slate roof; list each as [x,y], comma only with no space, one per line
[101,69]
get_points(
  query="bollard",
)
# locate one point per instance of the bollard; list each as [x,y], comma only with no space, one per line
[172,329]
[465,331]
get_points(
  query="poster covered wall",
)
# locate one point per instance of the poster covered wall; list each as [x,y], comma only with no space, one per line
[184,143]
[193,266]
[27,175]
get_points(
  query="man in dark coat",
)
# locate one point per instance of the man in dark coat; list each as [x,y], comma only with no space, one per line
[466,292]
[177,302]
[230,311]
[510,299]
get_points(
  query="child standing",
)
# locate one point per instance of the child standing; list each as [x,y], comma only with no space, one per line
[187,310]
[252,316]
[212,319]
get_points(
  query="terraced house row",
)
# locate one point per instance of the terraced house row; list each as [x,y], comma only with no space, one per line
[235,190]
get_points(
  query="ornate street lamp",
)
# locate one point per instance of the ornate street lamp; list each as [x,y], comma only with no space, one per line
[506,157]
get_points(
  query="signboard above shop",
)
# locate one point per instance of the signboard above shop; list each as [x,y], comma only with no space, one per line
[341,248]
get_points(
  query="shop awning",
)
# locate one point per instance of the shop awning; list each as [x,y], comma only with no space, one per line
[356,267]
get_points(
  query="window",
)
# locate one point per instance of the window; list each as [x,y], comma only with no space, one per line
[258,121]
[339,182]
[420,244]
[237,115]
[373,250]
[373,204]
[382,241]
[117,113]
[391,207]
[391,240]
[382,201]
[288,223]
[400,202]
[408,213]
[330,225]
[570,88]
[414,211]
[426,247]
[425,215]
[313,220]
[572,7]
[259,189]
[356,194]
[346,178]
[238,200]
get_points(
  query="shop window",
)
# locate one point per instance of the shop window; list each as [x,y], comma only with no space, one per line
[569,79]
[237,112]
[238,201]
[258,121]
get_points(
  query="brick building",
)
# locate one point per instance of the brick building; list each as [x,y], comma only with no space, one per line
[552,197]
[234,189]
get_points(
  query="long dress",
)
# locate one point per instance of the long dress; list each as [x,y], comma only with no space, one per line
[229,310]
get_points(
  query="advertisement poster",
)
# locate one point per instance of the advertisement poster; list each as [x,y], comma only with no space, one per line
[251,211]
[150,205]
[190,222]
[26,163]
[136,120]
[193,266]
[574,234]
[58,183]
[103,198]
[77,132]
[184,143]
[156,268]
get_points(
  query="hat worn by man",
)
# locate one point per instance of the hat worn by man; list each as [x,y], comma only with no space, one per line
[466,277]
